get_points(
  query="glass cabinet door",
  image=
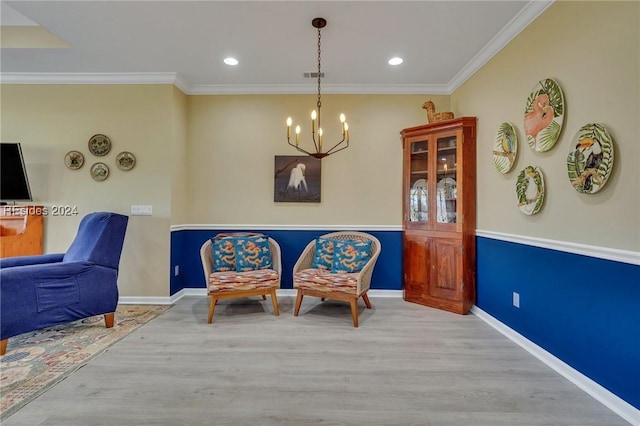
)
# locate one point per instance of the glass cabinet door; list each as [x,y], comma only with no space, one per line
[446,185]
[418,203]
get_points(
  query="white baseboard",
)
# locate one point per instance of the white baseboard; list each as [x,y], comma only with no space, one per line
[622,408]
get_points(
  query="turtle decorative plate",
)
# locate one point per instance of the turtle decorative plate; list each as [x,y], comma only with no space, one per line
[99,145]
[530,190]
[591,161]
[543,115]
[505,148]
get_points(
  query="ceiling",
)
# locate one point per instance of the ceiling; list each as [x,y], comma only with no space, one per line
[184,42]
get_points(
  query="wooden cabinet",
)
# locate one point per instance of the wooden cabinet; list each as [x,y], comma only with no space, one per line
[21,230]
[439,214]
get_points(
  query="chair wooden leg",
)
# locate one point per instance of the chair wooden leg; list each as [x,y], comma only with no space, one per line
[3,346]
[354,310]
[274,300]
[212,306]
[298,303]
[367,302]
[109,319]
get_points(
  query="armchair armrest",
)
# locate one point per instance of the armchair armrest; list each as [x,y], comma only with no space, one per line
[306,258]
[10,262]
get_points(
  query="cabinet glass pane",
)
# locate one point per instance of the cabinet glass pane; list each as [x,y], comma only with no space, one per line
[418,174]
[447,191]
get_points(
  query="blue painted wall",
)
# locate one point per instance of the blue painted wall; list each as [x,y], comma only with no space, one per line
[185,251]
[583,310]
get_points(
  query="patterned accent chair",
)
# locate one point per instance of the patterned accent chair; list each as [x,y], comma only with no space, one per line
[329,281]
[230,283]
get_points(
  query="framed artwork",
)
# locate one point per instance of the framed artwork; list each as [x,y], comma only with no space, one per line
[296,179]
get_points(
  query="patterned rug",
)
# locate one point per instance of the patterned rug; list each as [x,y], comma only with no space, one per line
[37,360]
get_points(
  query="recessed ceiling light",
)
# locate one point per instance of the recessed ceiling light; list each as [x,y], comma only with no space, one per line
[231,61]
[395,61]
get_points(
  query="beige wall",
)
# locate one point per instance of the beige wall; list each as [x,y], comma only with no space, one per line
[592,50]
[50,120]
[233,141]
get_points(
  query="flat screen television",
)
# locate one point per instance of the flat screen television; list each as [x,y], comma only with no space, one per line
[14,184]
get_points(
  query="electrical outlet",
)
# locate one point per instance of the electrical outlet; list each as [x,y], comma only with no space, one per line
[516,299]
[137,210]
[176,270]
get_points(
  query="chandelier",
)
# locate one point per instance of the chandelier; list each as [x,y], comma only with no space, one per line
[317,136]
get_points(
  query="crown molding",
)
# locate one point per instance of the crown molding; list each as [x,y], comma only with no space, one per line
[88,78]
[519,22]
[527,15]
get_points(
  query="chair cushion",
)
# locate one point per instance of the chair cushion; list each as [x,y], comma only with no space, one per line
[252,253]
[324,280]
[323,256]
[350,255]
[234,281]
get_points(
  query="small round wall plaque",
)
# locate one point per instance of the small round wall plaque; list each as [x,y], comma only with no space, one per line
[125,161]
[99,145]
[99,172]
[74,160]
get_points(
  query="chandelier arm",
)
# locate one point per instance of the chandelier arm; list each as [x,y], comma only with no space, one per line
[331,151]
[298,148]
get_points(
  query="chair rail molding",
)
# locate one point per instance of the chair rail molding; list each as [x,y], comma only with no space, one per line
[624,256]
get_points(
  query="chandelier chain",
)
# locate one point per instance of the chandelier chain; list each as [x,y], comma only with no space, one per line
[319,104]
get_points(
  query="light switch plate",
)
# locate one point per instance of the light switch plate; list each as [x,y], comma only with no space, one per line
[138,210]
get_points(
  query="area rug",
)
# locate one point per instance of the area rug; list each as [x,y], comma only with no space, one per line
[37,360]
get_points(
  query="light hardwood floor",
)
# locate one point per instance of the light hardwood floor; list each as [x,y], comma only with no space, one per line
[405,365]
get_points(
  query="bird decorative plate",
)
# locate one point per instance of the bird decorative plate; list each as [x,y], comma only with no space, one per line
[99,145]
[505,148]
[590,163]
[543,115]
[530,190]
[74,160]
[99,172]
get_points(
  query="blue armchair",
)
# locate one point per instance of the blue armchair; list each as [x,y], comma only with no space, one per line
[42,291]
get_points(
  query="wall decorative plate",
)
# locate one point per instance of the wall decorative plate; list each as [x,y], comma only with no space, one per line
[590,163]
[543,115]
[99,145]
[530,190]
[99,172]
[125,161]
[74,160]
[505,148]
